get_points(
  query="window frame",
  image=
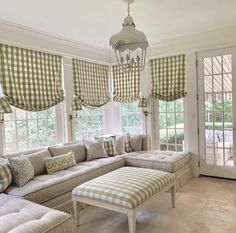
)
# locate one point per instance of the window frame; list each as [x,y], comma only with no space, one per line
[157,142]
[139,110]
[77,118]
[59,130]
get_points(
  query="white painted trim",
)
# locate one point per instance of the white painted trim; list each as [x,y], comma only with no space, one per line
[207,169]
[32,39]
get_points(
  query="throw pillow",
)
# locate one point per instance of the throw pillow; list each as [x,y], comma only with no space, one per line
[22,170]
[95,149]
[136,142]
[127,143]
[78,149]
[109,146]
[38,161]
[61,162]
[5,174]
[120,144]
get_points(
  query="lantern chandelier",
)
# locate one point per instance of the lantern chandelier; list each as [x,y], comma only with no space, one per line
[130,45]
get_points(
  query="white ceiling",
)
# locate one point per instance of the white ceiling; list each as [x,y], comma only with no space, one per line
[94,21]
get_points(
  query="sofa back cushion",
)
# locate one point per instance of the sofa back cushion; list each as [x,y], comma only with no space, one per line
[136,142]
[26,152]
[78,150]
[38,161]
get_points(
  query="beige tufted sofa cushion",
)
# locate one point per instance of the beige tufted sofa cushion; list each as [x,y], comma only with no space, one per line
[21,216]
[167,161]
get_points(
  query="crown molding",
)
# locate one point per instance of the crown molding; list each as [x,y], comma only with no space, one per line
[203,41]
[19,35]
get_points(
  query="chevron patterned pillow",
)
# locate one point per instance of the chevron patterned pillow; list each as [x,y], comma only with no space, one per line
[61,162]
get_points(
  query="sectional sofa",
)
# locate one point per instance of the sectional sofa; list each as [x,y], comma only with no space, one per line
[55,190]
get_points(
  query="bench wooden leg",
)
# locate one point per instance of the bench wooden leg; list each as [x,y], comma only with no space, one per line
[132,221]
[173,196]
[76,207]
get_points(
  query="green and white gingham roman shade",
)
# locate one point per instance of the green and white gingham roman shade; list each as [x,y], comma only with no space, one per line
[4,106]
[30,80]
[126,86]
[168,78]
[91,84]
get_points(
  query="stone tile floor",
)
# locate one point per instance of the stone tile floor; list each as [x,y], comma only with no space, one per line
[204,205]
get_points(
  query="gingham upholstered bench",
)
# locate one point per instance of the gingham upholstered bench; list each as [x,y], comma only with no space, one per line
[123,190]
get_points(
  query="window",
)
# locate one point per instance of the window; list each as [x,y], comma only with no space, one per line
[89,123]
[131,118]
[171,125]
[25,130]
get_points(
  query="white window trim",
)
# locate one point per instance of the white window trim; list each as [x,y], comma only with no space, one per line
[156,128]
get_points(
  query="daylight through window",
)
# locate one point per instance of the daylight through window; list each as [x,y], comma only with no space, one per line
[25,130]
[171,125]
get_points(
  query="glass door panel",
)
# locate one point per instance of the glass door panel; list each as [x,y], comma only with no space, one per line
[216,106]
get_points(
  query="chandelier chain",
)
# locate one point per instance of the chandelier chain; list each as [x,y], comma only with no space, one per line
[128,9]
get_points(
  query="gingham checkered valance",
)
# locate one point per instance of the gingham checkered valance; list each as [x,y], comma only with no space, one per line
[168,78]
[126,86]
[91,84]
[30,80]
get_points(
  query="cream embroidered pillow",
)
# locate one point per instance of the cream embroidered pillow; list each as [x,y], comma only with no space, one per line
[5,174]
[22,170]
[61,162]
[95,149]
[120,144]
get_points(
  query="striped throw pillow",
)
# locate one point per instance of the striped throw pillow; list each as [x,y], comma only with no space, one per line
[110,147]
[5,174]
[128,147]
[61,162]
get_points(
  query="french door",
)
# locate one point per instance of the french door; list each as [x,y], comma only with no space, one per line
[217,117]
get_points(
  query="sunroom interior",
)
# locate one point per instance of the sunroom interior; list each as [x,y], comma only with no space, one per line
[84,123]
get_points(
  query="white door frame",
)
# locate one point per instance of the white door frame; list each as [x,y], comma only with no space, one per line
[205,169]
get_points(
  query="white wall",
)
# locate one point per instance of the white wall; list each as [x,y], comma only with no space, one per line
[190,45]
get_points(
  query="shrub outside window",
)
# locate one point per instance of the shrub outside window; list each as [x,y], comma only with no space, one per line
[131,118]
[89,123]
[26,130]
[171,125]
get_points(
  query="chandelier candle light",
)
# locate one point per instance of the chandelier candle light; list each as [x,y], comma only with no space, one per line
[130,45]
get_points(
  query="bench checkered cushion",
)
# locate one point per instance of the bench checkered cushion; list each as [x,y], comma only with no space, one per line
[127,187]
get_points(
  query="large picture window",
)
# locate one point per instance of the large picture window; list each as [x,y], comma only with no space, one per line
[89,123]
[25,130]
[171,125]
[131,118]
